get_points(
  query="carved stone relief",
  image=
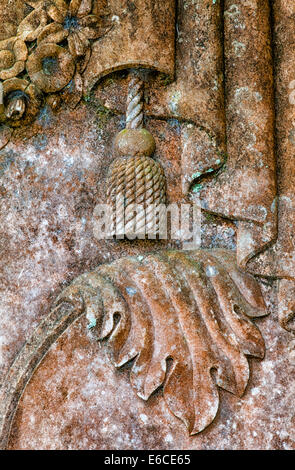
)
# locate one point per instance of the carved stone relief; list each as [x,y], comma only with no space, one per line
[161,102]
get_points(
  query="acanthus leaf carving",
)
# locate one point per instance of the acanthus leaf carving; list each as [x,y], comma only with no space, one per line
[187,309]
[178,315]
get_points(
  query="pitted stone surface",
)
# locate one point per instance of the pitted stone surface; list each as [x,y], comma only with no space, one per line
[54,161]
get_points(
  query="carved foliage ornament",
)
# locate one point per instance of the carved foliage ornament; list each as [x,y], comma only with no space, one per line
[177,315]
[52,46]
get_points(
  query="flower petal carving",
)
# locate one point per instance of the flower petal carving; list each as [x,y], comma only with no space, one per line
[33,24]
[50,67]
[78,44]
[74,21]
[39,48]
[57,11]
[13,54]
[187,309]
[93,27]
[5,135]
[16,87]
[52,33]
[34,3]
[72,93]
[81,7]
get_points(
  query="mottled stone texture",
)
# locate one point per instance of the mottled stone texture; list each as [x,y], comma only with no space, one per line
[11,14]
[53,173]
[77,400]
[143,33]
[49,189]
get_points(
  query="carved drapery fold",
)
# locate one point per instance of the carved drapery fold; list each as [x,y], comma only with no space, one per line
[142,35]
[279,260]
[246,188]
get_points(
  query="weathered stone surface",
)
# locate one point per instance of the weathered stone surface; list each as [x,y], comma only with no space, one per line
[200,296]
[11,14]
[142,34]
[246,190]
[77,400]
[221,106]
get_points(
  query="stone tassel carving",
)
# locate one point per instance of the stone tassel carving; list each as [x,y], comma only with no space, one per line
[189,309]
[136,184]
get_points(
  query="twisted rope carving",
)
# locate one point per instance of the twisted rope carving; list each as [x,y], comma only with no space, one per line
[134,113]
[140,181]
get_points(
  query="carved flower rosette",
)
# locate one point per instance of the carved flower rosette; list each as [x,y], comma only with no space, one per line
[49,52]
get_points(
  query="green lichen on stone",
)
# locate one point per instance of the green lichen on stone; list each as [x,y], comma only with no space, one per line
[103,114]
[87,98]
[165,80]
[109,81]
[198,174]
[210,217]
[92,324]
[197,188]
